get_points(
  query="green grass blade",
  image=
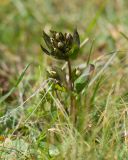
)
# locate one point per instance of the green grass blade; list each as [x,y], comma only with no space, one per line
[3,98]
[104,67]
[94,20]
[124,35]
[90,53]
[22,75]
[95,90]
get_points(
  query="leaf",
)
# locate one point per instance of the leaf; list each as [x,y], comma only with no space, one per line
[47,40]
[53,33]
[90,53]
[76,45]
[96,90]
[74,52]
[76,38]
[104,67]
[124,35]
[83,80]
[3,98]
[44,50]
[94,20]
[22,75]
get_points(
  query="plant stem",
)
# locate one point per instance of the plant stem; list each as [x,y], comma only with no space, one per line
[70,75]
[72,98]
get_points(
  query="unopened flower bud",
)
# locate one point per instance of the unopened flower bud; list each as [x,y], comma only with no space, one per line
[51,40]
[53,72]
[78,72]
[68,36]
[55,49]
[60,44]
[57,36]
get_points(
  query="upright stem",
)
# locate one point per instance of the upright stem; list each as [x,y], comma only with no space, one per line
[72,98]
[70,75]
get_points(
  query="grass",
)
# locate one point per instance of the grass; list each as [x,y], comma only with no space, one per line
[33,122]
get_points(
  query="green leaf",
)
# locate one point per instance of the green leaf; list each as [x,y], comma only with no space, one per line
[3,98]
[76,45]
[47,40]
[76,38]
[44,50]
[22,75]
[96,90]
[81,82]
[74,52]
[124,35]
[90,53]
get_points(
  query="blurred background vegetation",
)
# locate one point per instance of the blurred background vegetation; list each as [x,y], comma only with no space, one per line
[21,25]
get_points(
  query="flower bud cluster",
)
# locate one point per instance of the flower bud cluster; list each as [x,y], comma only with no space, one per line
[59,44]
